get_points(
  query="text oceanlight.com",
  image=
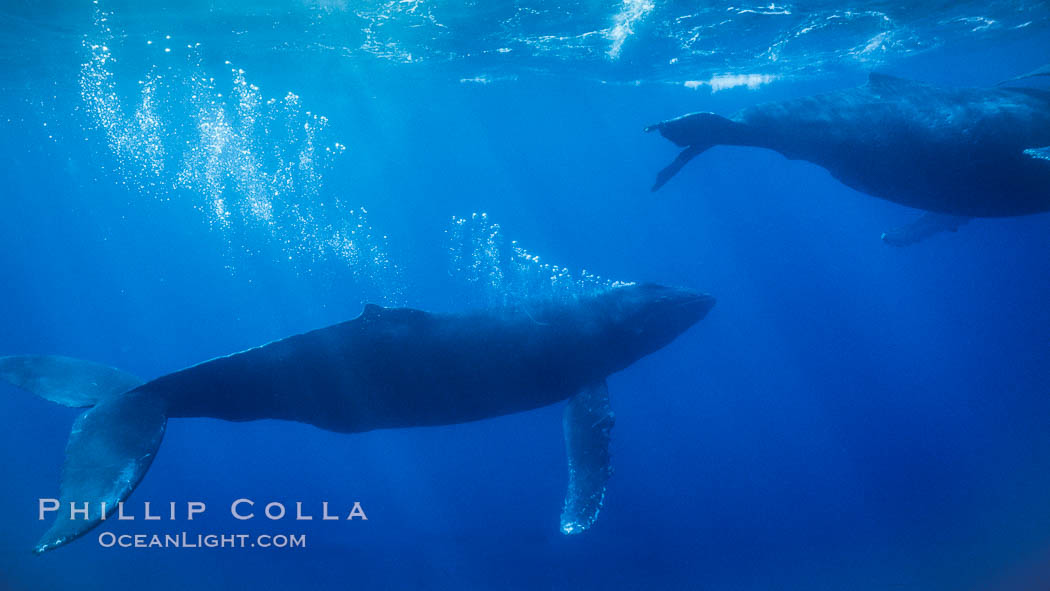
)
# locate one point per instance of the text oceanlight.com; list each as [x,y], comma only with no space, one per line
[191,541]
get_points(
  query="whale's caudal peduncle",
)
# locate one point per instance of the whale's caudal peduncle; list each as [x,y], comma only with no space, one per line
[387,368]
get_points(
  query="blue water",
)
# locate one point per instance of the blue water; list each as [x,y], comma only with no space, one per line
[849,416]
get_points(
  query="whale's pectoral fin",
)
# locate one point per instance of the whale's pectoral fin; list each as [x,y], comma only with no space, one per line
[66,381]
[1039,153]
[588,421]
[1038,72]
[672,169]
[929,224]
[697,132]
[109,450]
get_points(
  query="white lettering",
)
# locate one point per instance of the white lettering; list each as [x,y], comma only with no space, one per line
[51,505]
[193,508]
[357,511]
[233,509]
[326,516]
[73,511]
[275,517]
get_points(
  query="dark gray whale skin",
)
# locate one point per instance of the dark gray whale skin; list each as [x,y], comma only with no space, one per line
[960,152]
[408,368]
[387,368]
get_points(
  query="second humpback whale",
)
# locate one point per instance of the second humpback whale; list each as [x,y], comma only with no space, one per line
[955,153]
[390,367]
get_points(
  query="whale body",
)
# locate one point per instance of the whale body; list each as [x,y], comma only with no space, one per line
[955,153]
[388,368]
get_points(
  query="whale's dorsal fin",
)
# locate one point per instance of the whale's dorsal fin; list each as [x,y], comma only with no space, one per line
[372,311]
[376,314]
[588,422]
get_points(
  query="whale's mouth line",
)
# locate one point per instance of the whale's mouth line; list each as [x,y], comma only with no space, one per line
[699,299]
[696,306]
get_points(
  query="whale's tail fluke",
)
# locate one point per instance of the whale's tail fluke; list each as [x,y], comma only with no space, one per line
[64,380]
[111,445]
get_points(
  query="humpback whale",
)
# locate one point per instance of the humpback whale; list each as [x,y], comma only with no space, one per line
[954,153]
[387,368]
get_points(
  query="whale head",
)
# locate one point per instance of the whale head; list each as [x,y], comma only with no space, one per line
[640,319]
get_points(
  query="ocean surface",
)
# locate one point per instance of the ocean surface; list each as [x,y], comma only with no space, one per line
[182,180]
